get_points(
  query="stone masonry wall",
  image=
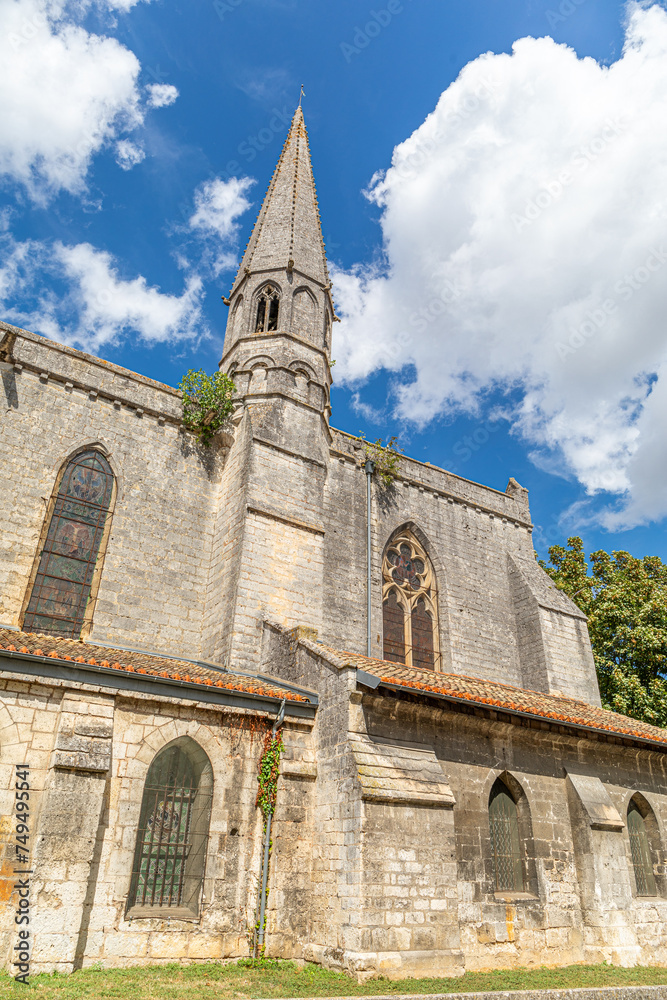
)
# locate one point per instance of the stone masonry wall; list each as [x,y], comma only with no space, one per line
[554,921]
[154,579]
[227,547]
[89,753]
[402,887]
[469,531]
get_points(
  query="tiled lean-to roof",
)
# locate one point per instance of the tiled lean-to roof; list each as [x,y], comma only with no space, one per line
[185,675]
[502,697]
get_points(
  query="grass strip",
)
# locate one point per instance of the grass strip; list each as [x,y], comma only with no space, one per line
[247,980]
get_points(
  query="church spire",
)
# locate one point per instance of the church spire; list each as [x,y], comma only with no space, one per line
[288,235]
[278,336]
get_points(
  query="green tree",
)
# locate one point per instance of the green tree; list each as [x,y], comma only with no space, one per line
[385,458]
[207,402]
[626,602]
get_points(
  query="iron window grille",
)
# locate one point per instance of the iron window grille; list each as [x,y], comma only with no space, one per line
[505,841]
[64,577]
[641,853]
[170,852]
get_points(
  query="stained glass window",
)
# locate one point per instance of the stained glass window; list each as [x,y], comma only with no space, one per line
[641,853]
[170,853]
[62,585]
[409,604]
[505,843]
[422,636]
[394,629]
[267,310]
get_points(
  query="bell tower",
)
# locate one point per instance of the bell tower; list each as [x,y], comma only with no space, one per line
[270,537]
[278,337]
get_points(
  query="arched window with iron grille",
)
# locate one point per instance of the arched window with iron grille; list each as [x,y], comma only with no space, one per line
[268,304]
[60,594]
[641,852]
[170,852]
[505,840]
[409,604]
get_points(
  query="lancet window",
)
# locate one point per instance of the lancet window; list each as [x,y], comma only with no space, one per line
[61,589]
[641,852]
[409,604]
[170,852]
[505,841]
[268,304]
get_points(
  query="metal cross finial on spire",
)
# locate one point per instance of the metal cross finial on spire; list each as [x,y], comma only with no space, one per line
[301,95]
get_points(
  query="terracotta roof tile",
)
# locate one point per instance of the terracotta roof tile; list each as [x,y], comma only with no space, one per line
[150,664]
[552,707]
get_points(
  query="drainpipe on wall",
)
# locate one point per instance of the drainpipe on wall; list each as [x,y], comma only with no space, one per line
[369,469]
[267,846]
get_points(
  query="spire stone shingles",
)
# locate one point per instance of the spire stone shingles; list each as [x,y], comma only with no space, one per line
[288,233]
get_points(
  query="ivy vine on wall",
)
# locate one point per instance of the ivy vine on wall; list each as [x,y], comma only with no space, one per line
[269,765]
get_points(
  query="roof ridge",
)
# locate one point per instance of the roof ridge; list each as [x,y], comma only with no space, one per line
[556,708]
[36,644]
[427,672]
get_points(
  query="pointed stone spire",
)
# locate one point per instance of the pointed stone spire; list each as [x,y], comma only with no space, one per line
[288,233]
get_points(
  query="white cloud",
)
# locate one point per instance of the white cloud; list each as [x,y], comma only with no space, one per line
[218,206]
[161,95]
[124,5]
[524,227]
[96,306]
[128,154]
[64,94]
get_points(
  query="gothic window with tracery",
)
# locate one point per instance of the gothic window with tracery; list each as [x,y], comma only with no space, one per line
[62,585]
[170,852]
[267,310]
[409,604]
[505,841]
[641,852]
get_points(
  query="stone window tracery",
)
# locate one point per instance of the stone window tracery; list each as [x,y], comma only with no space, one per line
[63,581]
[409,604]
[170,852]
[641,852]
[268,304]
[505,841]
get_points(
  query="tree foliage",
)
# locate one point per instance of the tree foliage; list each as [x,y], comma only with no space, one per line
[385,458]
[625,599]
[207,402]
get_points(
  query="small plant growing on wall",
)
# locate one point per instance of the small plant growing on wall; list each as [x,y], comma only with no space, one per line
[385,458]
[207,402]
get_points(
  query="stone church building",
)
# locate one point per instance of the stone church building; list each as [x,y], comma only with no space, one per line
[455,800]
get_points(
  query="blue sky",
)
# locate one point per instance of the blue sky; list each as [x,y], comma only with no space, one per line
[537,170]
